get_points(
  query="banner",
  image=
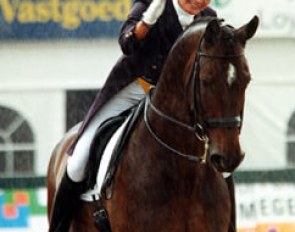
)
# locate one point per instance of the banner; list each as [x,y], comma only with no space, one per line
[265,207]
[48,19]
[45,19]
[277,18]
[261,207]
[23,210]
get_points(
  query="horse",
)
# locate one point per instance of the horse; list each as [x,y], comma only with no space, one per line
[170,176]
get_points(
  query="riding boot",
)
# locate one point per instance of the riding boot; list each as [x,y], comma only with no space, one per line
[66,204]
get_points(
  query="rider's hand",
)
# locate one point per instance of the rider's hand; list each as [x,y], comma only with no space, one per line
[154,11]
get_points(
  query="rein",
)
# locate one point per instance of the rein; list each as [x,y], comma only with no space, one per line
[190,157]
[199,127]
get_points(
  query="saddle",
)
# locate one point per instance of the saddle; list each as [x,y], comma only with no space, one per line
[102,136]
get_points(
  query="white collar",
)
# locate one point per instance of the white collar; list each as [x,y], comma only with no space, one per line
[183,17]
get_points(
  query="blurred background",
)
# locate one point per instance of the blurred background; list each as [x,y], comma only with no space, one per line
[54,57]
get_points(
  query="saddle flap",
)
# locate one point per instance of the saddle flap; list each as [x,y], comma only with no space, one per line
[98,145]
[103,136]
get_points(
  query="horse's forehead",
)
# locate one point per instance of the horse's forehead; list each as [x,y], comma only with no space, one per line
[230,69]
[228,30]
[229,41]
[231,74]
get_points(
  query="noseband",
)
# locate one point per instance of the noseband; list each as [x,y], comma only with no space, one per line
[199,127]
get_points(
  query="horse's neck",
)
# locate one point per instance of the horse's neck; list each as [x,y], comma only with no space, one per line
[173,103]
[171,99]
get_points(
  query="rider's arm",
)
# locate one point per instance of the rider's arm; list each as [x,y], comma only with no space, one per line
[141,18]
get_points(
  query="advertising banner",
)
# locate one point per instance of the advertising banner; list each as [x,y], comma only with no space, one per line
[261,207]
[277,18]
[266,207]
[52,19]
[47,19]
[23,210]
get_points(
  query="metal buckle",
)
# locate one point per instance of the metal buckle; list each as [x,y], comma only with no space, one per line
[206,149]
[200,132]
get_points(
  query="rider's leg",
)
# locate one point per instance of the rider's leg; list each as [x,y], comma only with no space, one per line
[69,189]
[66,202]
[125,99]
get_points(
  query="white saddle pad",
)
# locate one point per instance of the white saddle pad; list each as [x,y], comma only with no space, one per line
[105,161]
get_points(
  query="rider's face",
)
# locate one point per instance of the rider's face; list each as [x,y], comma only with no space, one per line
[193,6]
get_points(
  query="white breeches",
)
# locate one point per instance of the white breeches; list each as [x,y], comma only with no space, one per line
[126,98]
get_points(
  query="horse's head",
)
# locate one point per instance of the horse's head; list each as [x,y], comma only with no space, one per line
[208,99]
[218,76]
[220,79]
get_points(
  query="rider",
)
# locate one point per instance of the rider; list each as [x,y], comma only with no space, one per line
[145,39]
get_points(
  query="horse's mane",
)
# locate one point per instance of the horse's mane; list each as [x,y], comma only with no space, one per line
[186,44]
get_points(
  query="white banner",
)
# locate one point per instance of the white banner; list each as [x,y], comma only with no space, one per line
[265,207]
[277,18]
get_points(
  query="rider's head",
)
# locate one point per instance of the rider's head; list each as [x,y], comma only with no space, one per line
[193,6]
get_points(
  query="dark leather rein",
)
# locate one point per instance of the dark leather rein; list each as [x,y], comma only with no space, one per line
[198,128]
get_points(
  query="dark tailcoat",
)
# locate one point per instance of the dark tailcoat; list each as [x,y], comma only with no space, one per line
[143,58]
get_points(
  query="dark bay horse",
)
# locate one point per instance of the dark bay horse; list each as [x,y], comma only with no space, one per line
[170,176]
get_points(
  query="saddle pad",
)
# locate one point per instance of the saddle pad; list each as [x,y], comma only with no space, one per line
[103,167]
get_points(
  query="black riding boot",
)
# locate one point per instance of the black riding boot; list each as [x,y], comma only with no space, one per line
[65,205]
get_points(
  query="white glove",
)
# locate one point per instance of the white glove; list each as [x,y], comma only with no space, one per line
[154,11]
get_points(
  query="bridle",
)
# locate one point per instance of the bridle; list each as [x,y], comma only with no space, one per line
[222,122]
[199,127]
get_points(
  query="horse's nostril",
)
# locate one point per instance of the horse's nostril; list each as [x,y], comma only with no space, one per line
[217,160]
[223,164]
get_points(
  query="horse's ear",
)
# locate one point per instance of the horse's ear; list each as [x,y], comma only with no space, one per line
[248,30]
[211,31]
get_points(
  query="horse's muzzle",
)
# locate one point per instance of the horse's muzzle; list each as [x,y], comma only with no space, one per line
[225,163]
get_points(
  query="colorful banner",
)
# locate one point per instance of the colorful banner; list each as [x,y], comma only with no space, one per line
[19,207]
[260,208]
